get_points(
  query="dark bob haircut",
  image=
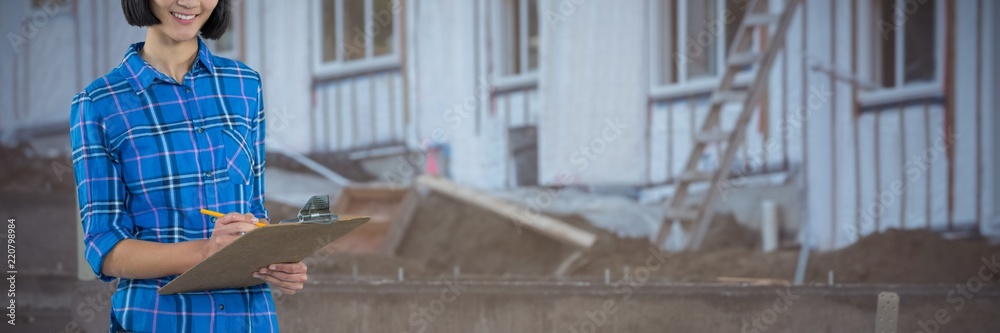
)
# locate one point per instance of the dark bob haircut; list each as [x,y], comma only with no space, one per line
[138,13]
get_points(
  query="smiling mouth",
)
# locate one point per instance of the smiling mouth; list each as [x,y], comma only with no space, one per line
[183,17]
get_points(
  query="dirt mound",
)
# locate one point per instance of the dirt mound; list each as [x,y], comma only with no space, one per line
[445,233]
[895,256]
[904,256]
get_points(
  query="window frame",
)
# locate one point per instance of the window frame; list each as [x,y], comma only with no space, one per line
[339,68]
[524,77]
[686,87]
[901,91]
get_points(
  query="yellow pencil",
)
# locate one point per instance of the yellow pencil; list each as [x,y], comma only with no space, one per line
[217,214]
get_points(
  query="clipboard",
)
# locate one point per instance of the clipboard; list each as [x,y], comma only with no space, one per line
[288,241]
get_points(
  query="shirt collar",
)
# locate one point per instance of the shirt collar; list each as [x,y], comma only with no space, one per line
[140,74]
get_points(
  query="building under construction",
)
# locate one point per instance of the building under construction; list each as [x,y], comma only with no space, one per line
[579,166]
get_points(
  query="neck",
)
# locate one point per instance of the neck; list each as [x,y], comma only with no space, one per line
[169,56]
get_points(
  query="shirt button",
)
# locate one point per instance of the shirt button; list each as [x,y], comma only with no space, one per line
[208,174]
[222,307]
[201,130]
[187,89]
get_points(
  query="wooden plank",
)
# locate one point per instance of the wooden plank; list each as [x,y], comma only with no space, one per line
[381,203]
[752,281]
[547,226]
[400,224]
[568,265]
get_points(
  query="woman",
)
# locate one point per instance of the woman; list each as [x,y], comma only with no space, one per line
[171,130]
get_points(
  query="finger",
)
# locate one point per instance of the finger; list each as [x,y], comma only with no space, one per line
[287,291]
[284,285]
[292,268]
[296,278]
[235,228]
[231,218]
[250,218]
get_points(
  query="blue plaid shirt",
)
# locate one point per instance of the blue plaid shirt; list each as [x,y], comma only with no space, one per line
[148,153]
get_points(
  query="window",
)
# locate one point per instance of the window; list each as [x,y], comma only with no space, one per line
[905,49]
[356,35]
[691,38]
[519,37]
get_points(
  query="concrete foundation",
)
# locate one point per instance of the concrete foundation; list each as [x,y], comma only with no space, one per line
[333,305]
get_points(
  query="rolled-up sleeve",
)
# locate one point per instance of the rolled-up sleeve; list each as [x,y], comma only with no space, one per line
[99,186]
[257,138]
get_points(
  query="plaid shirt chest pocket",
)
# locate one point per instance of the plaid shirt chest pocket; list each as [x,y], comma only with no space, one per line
[238,156]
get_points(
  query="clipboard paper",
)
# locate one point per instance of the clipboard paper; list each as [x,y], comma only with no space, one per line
[234,265]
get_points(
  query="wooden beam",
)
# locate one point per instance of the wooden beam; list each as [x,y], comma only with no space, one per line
[547,226]
[400,224]
[752,281]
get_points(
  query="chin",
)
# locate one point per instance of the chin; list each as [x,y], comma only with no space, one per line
[182,36]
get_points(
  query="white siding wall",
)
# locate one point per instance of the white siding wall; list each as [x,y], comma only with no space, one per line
[278,46]
[358,112]
[594,71]
[447,92]
[851,188]
[63,51]
[455,102]
[992,122]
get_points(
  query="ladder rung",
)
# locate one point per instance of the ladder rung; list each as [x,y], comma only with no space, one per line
[680,214]
[692,176]
[712,136]
[742,82]
[743,59]
[760,19]
[729,97]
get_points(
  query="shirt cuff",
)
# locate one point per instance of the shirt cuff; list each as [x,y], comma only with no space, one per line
[98,247]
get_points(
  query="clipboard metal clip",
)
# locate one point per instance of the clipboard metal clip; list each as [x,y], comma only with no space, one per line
[316,210]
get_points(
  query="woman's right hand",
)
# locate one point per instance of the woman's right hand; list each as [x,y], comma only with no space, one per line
[227,229]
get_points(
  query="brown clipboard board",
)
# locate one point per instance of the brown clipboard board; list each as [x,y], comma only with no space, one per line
[234,265]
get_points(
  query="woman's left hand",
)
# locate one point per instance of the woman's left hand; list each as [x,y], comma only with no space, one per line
[288,278]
